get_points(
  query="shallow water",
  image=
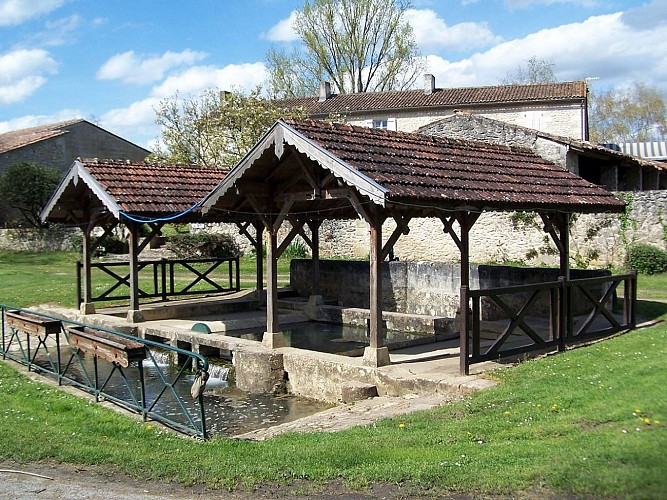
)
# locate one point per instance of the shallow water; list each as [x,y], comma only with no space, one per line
[228,411]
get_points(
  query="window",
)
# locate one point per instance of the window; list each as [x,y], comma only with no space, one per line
[380,124]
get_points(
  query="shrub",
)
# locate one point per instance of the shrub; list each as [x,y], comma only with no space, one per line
[296,250]
[647,259]
[202,245]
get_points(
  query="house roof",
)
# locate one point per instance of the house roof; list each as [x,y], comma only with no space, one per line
[16,139]
[440,97]
[411,171]
[19,138]
[131,190]
[583,146]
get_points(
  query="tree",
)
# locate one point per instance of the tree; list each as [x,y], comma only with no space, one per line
[358,45]
[535,71]
[216,129]
[635,113]
[27,187]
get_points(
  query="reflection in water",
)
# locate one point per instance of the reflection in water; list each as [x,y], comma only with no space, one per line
[333,338]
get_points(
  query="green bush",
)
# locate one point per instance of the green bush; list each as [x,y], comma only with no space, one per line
[647,259]
[296,250]
[202,245]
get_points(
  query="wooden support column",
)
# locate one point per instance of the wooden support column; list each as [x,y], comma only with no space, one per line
[273,338]
[259,251]
[376,355]
[87,306]
[134,315]
[558,227]
[315,250]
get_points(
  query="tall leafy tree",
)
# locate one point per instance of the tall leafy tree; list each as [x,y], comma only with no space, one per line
[357,45]
[26,187]
[533,71]
[215,129]
[635,113]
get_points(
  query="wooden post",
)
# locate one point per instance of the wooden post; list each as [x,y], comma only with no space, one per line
[315,248]
[564,230]
[87,307]
[134,272]
[375,285]
[272,283]
[376,355]
[259,251]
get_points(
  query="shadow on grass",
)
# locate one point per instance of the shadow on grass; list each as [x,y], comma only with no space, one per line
[648,310]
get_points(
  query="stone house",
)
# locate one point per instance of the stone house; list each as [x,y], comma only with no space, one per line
[59,144]
[557,108]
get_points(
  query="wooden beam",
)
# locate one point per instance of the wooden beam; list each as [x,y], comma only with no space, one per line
[375,284]
[401,229]
[272,283]
[315,253]
[466,220]
[134,266]
[155,229]
[557,225]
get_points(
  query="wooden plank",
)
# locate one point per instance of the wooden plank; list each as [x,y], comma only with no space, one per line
[32,324]
[106,345]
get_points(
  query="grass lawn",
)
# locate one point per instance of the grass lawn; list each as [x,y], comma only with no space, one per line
[591,421]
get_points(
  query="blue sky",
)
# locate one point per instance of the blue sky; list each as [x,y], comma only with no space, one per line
[111,62]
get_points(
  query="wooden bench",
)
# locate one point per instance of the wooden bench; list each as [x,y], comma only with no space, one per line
[105,345]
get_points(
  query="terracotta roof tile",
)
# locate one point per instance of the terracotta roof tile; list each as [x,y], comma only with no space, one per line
[444,97]
[150,189]
[425,168]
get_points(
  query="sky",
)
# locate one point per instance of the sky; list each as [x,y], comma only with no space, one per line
[112,62]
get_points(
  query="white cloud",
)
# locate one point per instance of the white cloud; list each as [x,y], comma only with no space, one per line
[283,31]
[131,68]
[28,121]
[199,78]
[22,73]
[432,32]
[522,4]
[601,46]
[136,122]
[17,11]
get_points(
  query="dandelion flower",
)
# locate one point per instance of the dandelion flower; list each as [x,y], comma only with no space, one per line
[401,425]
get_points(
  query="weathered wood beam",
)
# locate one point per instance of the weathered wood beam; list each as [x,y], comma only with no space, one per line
[401,229]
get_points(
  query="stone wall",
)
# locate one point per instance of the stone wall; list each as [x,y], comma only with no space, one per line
[423,288]
[52,239]
[597,240]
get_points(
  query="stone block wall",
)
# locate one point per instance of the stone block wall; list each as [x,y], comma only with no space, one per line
[425,288]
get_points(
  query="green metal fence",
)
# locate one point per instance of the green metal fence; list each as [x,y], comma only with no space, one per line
[111,365]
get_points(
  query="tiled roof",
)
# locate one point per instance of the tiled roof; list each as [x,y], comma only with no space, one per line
[443,97]
[20,138]
[480,121]
[417,168]
[141,189]
[145,188]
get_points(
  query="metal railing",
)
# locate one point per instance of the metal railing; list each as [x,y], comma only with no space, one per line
[161,278]
[543,316]
[110,365]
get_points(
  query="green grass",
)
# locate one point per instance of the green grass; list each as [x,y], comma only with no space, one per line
[591,421]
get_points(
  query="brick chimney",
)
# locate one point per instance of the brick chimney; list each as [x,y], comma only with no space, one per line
[429,84]
[325,91]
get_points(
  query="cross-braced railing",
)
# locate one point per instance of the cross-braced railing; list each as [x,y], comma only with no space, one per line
[161,278]
[507,321]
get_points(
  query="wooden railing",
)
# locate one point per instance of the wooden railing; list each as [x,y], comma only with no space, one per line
[161,278]
[508,321]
